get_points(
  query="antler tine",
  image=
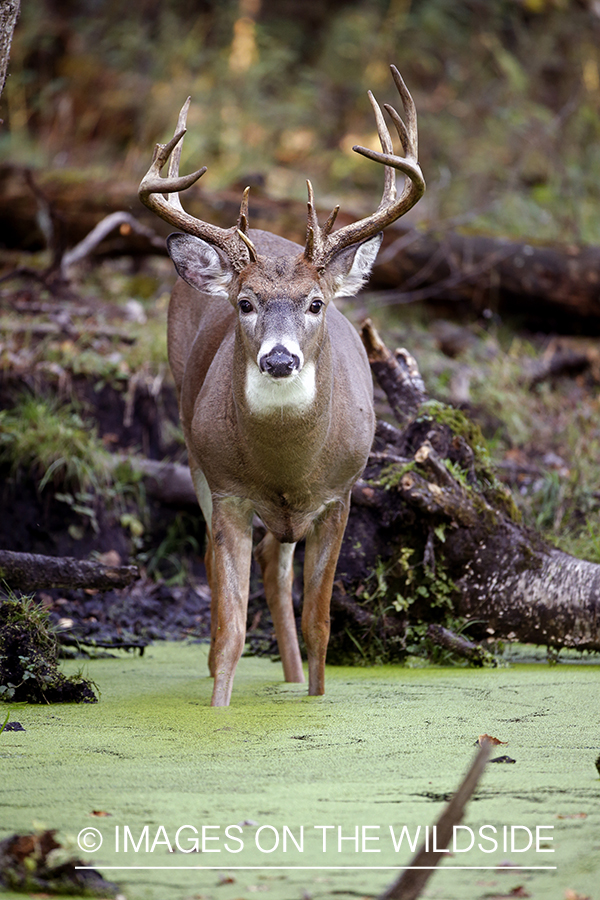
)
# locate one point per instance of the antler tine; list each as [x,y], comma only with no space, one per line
[242,226]
[315,233]
[330,220]
[153,187]
[175,159]
[324,246]
[389,180]
[153,182]
[314,240]
[242,222]
[251,248]
[410,111]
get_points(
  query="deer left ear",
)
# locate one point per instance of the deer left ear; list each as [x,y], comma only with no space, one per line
[350,268]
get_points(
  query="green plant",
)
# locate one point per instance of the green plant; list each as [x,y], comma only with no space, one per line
[169,560]
[53,441]
[29,657]
[5,723]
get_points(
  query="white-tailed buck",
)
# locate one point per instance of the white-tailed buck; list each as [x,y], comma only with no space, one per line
[275,393]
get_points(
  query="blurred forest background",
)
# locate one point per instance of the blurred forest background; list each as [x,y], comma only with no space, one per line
[507,92]
[508,100]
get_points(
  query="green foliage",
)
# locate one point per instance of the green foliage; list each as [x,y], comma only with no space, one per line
[403,586]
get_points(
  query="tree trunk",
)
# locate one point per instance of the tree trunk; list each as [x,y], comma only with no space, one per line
[9,13]
[434,536]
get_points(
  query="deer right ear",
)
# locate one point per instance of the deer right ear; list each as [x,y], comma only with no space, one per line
[200,264]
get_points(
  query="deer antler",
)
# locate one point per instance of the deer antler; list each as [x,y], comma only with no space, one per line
[234,241]
[321,244]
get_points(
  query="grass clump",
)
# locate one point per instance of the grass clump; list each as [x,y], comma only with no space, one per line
[53,442]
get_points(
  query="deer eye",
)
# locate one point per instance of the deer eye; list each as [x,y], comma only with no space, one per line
[315,307]
[245,306]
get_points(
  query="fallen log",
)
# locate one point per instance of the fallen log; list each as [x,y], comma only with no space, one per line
[77,202]
[170,483]
[32,572]
[550,285]
[433,536]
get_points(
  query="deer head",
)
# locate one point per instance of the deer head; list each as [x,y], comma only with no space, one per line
[234,254]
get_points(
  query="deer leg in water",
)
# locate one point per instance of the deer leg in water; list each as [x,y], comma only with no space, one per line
[323,544]
[276,562]
[231,541]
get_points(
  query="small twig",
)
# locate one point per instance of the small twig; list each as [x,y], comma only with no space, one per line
[376,456]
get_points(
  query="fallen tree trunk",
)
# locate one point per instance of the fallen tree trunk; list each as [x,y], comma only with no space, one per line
[76,203]
[434,537]
[31,572]
[549,284]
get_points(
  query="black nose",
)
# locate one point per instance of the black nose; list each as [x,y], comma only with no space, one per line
[279,362]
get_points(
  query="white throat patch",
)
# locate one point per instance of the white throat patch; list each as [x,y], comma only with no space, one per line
[294,394]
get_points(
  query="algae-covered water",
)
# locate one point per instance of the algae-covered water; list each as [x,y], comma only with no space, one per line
[298,797]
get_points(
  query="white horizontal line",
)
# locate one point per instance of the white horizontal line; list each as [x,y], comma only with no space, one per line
[322,868]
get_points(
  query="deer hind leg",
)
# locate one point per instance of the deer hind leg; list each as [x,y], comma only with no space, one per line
[323,545]
[209,566]
[276,562]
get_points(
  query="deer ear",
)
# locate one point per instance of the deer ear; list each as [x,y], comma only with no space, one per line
[200,264]
[351,267]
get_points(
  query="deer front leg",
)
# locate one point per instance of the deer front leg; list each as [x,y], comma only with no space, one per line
[276,563]
[323,545]
[231,543]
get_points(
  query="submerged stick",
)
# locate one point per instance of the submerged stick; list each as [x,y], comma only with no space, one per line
[410,884]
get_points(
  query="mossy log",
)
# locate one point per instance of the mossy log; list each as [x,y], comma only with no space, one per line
[434,537]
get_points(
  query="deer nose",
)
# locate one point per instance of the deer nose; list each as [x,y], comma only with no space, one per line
[279,362]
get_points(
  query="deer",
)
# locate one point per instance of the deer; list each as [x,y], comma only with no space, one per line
[275,392]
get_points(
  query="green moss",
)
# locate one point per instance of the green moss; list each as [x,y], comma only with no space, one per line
[461,425]
[392,474]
